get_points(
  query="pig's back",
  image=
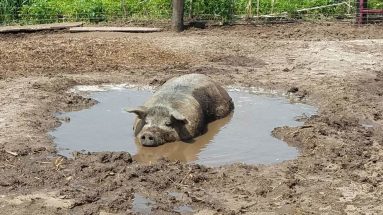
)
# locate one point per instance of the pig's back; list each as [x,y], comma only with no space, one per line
[186,84]
[194,89]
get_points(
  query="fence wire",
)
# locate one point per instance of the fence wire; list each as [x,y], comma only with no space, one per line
[50,11]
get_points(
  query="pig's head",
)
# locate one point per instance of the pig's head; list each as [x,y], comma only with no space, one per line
[159,125]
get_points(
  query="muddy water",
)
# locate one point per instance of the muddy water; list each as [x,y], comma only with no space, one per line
[141,204]
[244,136]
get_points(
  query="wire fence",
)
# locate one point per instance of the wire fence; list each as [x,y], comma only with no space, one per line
[95,11]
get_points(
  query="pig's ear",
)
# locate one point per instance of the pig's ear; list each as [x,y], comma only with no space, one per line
[140,111]
[177,116]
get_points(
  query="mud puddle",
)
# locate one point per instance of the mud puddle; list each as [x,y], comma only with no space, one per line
[142,205]
[184,209]
[244,136]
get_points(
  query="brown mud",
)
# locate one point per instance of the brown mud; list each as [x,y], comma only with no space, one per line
[336,67]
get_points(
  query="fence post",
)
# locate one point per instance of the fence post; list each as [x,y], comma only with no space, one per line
[191,10]
[349,7]
[123,6]
[232,8]
[178,15]
[249,9]
[361,17]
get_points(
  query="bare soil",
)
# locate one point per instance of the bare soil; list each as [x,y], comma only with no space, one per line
[334,66]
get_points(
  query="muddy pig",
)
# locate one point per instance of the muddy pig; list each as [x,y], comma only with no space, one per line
[180,110]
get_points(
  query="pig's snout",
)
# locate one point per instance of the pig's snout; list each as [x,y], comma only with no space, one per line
[148,139]
[154,136]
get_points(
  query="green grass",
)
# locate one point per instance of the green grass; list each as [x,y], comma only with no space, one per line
[9,9]
[46,11]
[375,4]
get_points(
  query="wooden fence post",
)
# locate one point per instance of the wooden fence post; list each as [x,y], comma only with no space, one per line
[178,15]
[191,10]
[123,6]
[249,9]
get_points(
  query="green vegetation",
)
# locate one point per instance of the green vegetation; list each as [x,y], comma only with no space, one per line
[9,9]
[45,11]
[376,4]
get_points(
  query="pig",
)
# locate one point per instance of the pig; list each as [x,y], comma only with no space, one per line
[180,151]
[180,110]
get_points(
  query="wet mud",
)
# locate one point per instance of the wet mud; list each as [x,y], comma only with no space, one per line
[335,67]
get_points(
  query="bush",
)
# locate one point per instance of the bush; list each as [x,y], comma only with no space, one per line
[44,11]
[148,8]
[41,11]
[224,9]
[10,9]
[93,11]
[375,4]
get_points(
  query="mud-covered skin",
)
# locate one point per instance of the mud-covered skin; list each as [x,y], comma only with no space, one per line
[180,110]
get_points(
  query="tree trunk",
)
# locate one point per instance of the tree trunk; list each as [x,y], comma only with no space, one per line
[178,15]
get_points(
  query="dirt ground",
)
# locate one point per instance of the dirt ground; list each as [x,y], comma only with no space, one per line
[336,67]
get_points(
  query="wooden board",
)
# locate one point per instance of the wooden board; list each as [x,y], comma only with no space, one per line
[115,29]
[42,27]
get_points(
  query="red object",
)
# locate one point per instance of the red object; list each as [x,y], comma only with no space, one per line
[364,11]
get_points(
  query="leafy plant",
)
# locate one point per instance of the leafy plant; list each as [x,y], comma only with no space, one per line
[223,9]
[40,11]
[9,9]
[44,11]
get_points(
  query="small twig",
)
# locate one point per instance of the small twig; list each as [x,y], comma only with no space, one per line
[5,165]
[187,174]
[11,153]
[301,176]
[50,59]
[43,162]
[58,162]
[177,184]
[244,208]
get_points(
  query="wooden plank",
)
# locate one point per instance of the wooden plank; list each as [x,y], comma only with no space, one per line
[115,29]
[321,7]
[42,27]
